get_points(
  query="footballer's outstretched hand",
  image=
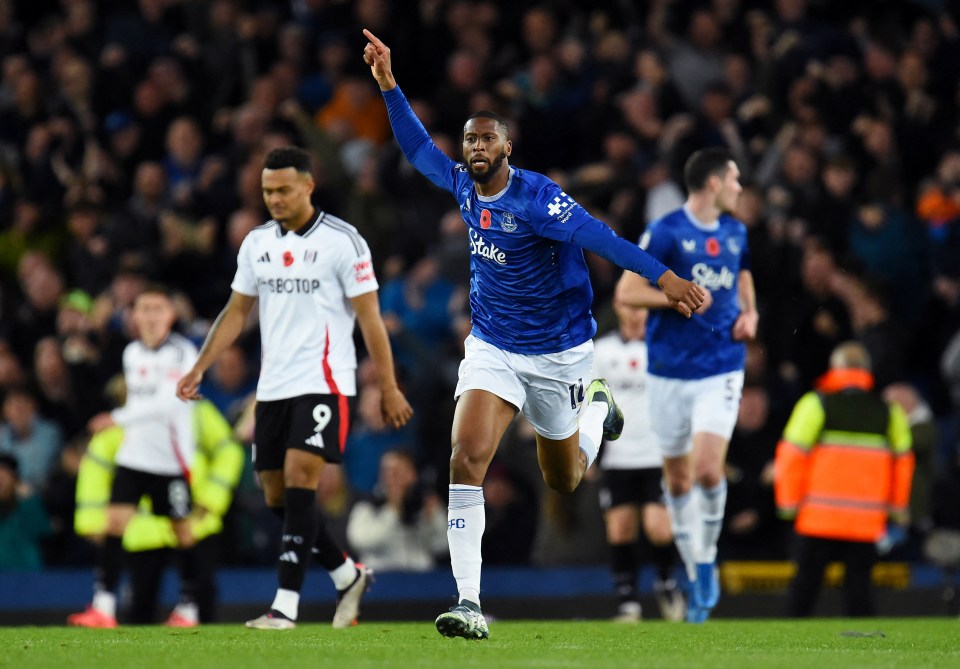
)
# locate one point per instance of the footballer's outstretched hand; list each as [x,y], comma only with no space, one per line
[684,296]
[376,54]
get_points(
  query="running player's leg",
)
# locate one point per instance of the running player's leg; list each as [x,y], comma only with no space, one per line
[716,402]
[570,419]
[622,523]
[479,421]
[175,502]
[659,541]
[128,487]
[111,557]
[489,394]
[709,455]
[683,509]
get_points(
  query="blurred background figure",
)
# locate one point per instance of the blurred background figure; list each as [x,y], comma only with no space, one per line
[751,529]
[631,466]
[31,439]
[843,470]
[149,539]
[926,440]
[23,522]
[403,526]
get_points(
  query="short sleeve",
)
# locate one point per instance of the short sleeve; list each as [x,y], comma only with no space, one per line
[244,281]
[356,268]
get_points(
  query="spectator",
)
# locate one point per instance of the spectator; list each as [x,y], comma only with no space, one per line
[751,529]
[31,439]
[923,431]
[511,517]
[23,522]
[403,526]
[230,382]
[370,436]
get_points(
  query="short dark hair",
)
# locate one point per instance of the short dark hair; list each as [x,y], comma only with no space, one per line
[288,156]
[494,116]
[703,164]
[155,288]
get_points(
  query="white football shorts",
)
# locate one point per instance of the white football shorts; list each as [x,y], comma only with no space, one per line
[680,408]
[548,387]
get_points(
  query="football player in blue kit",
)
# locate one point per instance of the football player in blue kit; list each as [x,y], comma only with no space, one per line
[696,365]
[530,347]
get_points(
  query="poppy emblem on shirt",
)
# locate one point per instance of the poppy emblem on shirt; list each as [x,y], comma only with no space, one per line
[713,247]
[287,258]
[485,218]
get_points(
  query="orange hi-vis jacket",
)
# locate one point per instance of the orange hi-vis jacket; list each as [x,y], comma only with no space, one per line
[844,465]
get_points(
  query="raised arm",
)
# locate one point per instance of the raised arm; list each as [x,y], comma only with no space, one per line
[413,138]
[394,406]
[225,330]
[376,54]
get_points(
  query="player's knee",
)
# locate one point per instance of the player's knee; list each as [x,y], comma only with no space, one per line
[659,535]
[709,477]
[467,465]
[678,484]
[273,497]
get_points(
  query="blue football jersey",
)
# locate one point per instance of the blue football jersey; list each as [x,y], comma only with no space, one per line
[530,288]
[711,257]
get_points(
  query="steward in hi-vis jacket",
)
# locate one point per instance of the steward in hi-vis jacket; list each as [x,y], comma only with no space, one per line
[843,470]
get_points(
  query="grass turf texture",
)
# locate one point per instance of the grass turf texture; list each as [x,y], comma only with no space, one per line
[778,644]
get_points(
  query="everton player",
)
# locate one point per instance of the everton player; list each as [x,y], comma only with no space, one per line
[696,365]
[530,346]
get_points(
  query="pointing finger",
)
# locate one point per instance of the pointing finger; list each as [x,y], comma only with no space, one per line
[374,39]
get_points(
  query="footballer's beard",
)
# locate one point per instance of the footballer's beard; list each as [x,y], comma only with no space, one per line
[486,177]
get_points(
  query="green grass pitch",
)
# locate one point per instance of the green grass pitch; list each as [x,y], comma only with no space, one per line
[776,644]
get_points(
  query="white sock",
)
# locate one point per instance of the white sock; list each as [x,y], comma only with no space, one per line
[187,610]
[344,575]
[287,602]
[465,525]
[591,429]
[685,520]
[105,602]
[712,502]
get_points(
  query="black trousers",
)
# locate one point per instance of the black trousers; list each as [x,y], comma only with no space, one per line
[812,556]
[146,569]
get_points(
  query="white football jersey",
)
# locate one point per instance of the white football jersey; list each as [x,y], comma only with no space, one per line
[304,283]
[158,434]
[624,365]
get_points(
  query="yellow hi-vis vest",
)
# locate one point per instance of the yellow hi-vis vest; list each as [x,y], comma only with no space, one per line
[214,475]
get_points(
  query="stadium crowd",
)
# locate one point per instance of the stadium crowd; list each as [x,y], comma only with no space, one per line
[132,136]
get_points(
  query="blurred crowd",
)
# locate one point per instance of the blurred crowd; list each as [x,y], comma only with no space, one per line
[132,136]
